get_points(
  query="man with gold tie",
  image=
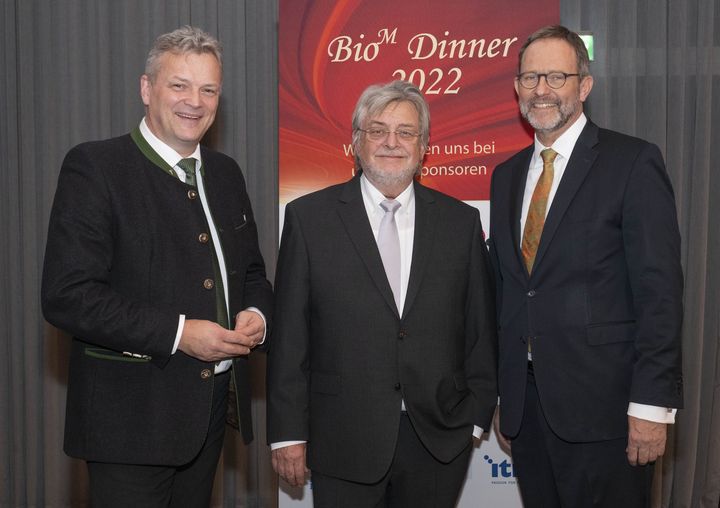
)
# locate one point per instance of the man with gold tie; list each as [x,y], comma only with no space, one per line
[153,265]
[585,246]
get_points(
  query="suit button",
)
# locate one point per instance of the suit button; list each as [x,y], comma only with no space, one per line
[192,194]
[531,293]
[208,284]
[402,334]
[205,374]
[203,238]
[397,387]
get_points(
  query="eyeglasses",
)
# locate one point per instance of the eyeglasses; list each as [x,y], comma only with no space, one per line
[382,134]
[554,80]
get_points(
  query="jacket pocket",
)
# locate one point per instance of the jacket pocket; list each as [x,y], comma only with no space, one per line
[456,394]
[609,333]
[240,222]
[460,382]
[108,354]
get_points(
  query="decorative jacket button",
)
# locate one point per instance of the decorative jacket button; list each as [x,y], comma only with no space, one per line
[205,374]
[208,284]
[397,387]
[203,238]
[531,293]
[192,194]
[402,334]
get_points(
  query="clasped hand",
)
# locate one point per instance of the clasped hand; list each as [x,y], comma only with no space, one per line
[210,342]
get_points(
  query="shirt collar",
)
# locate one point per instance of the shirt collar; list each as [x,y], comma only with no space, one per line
[373,197]
[566,142]
[163,149]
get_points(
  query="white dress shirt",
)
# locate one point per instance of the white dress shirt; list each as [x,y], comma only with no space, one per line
[405,220]
[564,146]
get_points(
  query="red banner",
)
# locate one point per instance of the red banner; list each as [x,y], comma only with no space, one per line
[462,55]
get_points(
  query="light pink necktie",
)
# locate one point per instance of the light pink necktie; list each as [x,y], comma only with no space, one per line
[389,246]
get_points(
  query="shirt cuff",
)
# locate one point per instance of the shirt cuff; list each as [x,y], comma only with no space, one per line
[477,432]
[259,312]
[181,325]
[655,414]
[284,444]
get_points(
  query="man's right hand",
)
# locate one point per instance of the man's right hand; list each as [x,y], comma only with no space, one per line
[289,463]
[210,342]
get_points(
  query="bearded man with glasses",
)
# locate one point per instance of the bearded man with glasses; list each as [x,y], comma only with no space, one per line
[383,365]
[586,251]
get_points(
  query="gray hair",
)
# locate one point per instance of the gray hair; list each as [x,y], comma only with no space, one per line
[376,98]
[562,33]
[186,39]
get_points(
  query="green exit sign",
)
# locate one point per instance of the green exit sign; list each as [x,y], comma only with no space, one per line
[587,38]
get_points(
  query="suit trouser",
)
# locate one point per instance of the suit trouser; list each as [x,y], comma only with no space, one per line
[415,479]
[186,486]
[553,472]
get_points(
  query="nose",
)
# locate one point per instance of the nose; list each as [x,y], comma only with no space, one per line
[542,87]
[391,141]
[193,97]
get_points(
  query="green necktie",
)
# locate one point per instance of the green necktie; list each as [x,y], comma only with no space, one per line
[231,416]
[188,166]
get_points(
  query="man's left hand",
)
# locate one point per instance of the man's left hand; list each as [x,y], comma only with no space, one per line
[646,441]
[249,324]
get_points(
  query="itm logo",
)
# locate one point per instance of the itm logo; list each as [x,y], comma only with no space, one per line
[503,469]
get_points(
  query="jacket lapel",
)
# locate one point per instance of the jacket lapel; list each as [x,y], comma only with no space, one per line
[425,223]
[351,210]
[581,160]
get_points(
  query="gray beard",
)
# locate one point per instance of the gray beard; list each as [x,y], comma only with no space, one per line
[564,113]
[382,179]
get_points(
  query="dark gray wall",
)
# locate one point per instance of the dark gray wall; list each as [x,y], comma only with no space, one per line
[70,73]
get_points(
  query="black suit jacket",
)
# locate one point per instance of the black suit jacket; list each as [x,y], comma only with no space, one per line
[342,358]
[603,305]
[124,259]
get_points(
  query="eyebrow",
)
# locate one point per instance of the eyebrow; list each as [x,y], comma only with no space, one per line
[185,80]
[377,122]
[547,72]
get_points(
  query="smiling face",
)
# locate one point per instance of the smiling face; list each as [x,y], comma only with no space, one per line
[182,99]
[552,111]
[391,163]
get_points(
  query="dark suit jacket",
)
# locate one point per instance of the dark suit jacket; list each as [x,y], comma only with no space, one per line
[342,358]
[124,259]
[603,305]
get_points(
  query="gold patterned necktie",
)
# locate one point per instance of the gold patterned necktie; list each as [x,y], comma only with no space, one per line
[536,212]
[188,166]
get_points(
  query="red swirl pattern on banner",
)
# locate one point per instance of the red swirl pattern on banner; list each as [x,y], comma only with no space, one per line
[462,54]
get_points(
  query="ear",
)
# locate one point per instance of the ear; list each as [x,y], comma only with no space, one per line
[517,85]
[585,86]
[145,87]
